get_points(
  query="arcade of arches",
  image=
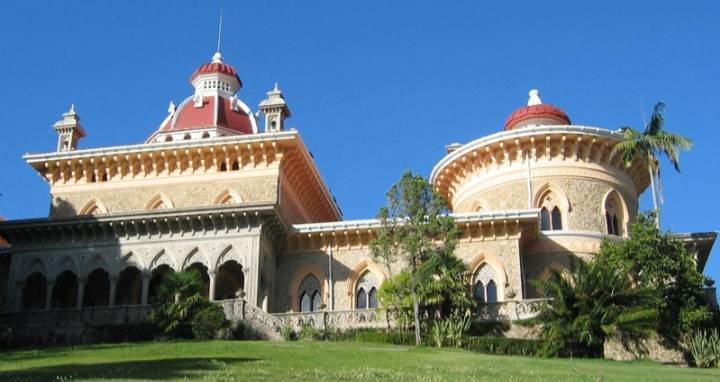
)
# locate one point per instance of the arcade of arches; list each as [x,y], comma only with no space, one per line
[130,287]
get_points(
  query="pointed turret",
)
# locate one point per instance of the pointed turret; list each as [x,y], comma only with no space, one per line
[276,110]
[69,130]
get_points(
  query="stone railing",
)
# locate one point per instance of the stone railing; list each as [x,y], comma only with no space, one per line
[262,324]
[369,318]
[76,318]
[510,310]
[336,319]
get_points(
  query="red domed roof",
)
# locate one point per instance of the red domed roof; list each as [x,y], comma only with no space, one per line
[215,67]
[539,111]
[215,111]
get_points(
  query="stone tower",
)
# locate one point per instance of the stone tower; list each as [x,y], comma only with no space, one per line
[275,110]
[69,130]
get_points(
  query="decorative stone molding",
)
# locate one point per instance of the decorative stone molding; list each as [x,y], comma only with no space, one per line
[358,233]
[113,167]
[485,158]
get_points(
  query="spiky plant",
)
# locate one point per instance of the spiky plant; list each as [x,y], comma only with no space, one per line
[591,304]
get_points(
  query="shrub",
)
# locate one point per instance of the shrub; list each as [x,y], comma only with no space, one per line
[503,346]
[450,331]
[208,321]
[704,348]
[380,336]
[309,333]
[287,333]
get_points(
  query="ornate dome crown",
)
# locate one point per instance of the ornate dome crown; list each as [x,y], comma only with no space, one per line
[536,113]
[213,110]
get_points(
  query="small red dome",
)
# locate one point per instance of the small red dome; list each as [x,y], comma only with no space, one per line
[215,67]
[540,111]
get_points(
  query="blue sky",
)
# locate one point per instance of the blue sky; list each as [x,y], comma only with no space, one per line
[375,86]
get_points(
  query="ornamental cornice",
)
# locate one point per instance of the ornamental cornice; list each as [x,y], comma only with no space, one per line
[170,160]
[353,234]
[144,226]
[564,144]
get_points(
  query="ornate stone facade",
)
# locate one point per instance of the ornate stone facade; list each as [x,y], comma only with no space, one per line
[250,211]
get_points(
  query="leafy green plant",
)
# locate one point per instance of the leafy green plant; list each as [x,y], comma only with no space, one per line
[208,321]
[309,333]
[438,333]
[415,228]
[504,346]
[704,348]
[191,315]
[450,331]
[660,262]
[287,333]
[595,302]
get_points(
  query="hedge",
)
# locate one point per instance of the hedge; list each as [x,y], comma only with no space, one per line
[503,346]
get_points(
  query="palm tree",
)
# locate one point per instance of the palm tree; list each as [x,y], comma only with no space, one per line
[651,144]
[594,302]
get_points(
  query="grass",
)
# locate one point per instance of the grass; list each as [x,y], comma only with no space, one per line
[311,361]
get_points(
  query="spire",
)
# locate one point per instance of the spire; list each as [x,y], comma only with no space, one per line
[69,130]
[275,109]
[217,57]
[534,97]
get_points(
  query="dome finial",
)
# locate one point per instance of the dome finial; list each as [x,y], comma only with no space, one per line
[534,97]
[217,57]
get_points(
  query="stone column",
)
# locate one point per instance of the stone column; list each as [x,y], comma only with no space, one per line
[145,289]
[113,288]
[211,288]
[80,293]
[48,295]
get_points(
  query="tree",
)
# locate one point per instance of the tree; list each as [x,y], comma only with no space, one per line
[661,263]
[182,284]
[592,303]
[191,314]
[415,226]
[649,145]
[446,292]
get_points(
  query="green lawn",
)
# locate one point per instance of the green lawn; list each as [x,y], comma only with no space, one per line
[330,361]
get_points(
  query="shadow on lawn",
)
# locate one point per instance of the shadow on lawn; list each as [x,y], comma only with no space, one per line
[160,369]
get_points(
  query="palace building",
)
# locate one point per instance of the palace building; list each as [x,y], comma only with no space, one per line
[240,199]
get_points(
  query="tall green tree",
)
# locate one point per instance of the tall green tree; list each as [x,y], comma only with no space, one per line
[592,303]
[660,262]
[649,145]
[415,227]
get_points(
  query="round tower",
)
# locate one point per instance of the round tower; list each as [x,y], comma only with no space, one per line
[540,160]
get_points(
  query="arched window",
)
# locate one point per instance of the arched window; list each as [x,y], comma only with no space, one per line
[309,292]
[479,292]
[316,301]
[305,303]
[613,214]
[485,286]
[492,292]
[372,298]
[550,212]
[361,302]
[365,285]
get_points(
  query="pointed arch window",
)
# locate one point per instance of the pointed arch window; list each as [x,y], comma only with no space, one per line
[372,298]
[485,290]
[365,291]
[309,292]
[613,214]
[551,218]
